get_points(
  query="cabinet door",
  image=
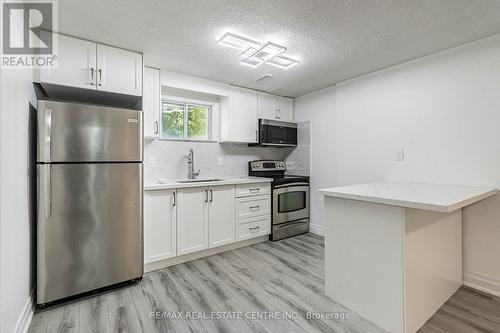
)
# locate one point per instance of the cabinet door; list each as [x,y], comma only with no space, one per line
[221,221]
[76,64]
[266,106]
[151,102]
[159,225]
[284,108]
[119,71]
[192,220]
[242,125]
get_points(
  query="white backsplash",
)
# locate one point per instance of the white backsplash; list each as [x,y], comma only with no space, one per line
[171,161]
[298,159]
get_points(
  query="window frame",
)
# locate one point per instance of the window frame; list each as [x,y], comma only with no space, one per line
[212,106]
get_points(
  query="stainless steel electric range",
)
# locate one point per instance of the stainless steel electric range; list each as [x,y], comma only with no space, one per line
[290,198]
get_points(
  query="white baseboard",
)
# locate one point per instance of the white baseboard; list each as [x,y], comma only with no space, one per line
[482,283]
[154,266]
[317,229]
[24,320]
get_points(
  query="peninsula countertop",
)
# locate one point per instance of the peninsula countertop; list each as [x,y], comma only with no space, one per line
[433,197]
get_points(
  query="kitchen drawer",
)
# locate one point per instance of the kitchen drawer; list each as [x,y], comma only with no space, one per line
[246,190]
[253,206]
[254,227]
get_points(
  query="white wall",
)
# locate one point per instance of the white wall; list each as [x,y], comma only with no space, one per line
[444,110]
[319,109]
[16,228]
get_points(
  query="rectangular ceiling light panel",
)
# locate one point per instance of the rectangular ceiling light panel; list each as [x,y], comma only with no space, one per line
[267,52]
[255,53]
[282,62]
[238,42]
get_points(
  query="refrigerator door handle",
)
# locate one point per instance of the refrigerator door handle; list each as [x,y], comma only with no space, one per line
[48,133]
[47,193]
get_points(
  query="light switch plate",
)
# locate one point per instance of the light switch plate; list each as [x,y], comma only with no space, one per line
[219,160]
[400,155]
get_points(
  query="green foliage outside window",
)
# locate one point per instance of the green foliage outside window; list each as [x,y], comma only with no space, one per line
[185,121]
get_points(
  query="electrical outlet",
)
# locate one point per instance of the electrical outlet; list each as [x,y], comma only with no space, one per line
[152,161]
[400,155]
[219,160]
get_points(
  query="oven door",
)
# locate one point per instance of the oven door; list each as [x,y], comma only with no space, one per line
[290,202]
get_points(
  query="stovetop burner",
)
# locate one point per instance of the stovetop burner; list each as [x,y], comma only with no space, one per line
[275,170]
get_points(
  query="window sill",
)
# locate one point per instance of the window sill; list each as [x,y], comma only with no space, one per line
[182,140]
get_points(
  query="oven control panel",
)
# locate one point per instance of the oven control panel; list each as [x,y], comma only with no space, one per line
[265,165]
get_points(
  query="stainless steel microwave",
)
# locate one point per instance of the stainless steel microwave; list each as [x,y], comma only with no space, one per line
[277,133]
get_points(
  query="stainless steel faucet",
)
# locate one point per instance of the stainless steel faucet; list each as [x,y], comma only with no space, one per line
[190,161]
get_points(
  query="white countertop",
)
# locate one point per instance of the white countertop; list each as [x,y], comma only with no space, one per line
[433,197]
[174,183]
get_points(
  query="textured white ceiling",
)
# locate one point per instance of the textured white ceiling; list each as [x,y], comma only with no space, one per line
[334,39]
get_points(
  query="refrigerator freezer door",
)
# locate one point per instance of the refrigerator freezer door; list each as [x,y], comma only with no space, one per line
[70,132]
[89,227]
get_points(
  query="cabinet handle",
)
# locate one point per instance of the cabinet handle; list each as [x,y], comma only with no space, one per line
[256,136]
[254,228]
[279,113]
[92,76]
[157,127]
[100,77]
[206,196]
[254,207]
[211,196]
[254,190]
[173,199]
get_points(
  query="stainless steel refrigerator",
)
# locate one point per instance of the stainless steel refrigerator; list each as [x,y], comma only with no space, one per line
[89,198]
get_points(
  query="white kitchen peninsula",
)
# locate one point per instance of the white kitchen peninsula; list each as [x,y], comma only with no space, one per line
[393,251]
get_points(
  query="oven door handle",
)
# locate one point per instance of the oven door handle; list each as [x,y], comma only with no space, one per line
[291,184]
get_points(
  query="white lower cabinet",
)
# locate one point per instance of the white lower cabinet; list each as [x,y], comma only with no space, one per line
[186,220]
[253,211]
[221,221]
[192,220]
[253,206]
[159,225]
[253,227]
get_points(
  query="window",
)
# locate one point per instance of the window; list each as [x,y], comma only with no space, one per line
[186,121]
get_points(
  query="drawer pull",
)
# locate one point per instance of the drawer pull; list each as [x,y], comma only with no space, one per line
[254,207]
[254,228]
[255,190]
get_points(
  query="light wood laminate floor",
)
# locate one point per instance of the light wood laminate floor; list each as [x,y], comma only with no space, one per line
[272,278]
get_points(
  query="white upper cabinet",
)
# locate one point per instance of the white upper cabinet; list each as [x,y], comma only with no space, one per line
[76,64]
[160,223]
[221,219]
[275,107]
[284,108]
[119,71]
[192,220]
[266,106]
[151,102]
[84,64]
[239,118]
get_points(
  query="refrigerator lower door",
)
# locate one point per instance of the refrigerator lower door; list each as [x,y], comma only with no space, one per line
[89,228]
[71,132]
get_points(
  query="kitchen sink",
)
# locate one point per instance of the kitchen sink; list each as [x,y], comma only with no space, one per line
[198,180]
